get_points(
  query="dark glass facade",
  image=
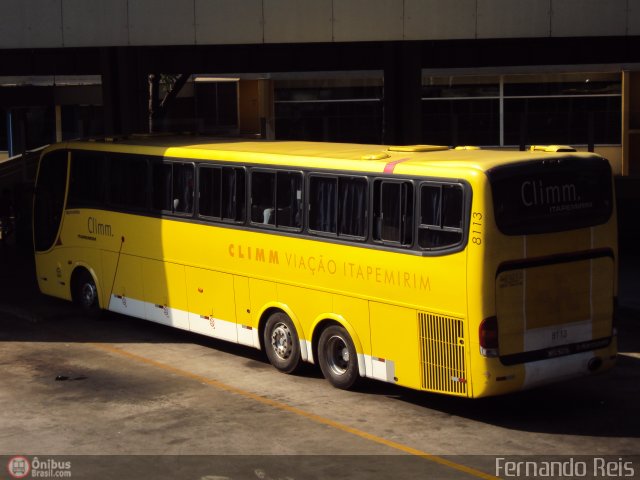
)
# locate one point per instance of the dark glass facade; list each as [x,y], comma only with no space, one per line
[515,110]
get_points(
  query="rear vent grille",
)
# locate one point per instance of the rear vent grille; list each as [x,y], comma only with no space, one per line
[442,354]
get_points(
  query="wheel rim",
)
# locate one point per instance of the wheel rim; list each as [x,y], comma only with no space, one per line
[88,294]
[337,354]
[281,341]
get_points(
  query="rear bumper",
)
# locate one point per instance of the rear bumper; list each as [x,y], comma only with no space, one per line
[572,349]
[563,368]
[493,377]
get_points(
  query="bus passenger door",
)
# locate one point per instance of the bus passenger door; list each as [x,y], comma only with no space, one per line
[126,294]
[394,348]
[211,303]
[164,293]
[246,334]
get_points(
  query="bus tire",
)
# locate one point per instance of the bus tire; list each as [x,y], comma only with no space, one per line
[338,358]
[281,343]
[85,292]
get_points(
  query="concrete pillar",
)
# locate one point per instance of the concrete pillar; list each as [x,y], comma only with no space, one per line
[154,101]
[402,122]
[58,113]
[17,131]
[125,92]
[10,151]
[256,108]
[267,110]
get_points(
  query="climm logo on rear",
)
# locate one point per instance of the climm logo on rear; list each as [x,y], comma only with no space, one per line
[570,193]
[558,197]
[536,193]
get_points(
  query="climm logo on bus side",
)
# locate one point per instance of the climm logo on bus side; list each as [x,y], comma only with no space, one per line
[95,227]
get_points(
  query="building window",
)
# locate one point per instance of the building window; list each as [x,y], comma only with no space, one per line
[573,109]
[333,109]
[216,104]
[518,110]
[461,110]
[80,121]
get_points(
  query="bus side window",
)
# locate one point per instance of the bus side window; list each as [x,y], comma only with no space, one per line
[263,187]
[209,191]
[441,211]
[288,199]
[352,207]
[393,212]
[126,174]
[338,205]
[87,182]
[323,205]
[222,193]
[173,187]
[276,198]
[162,186]
[182,188]
[233,194]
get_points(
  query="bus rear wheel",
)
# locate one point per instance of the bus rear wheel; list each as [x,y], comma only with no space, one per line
[281,343]
[338,357]
[85,292]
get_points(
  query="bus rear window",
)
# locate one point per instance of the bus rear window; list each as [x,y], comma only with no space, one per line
[551,196]
[441,215]
[393,211]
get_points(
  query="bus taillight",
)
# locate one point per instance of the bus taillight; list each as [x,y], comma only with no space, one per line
[489,337]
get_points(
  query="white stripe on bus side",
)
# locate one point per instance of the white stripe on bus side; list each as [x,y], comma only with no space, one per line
[381,369]
[368,366]
[204,325]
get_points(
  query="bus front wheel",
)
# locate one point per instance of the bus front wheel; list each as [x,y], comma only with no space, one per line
[281,343]
[85,292]
[338,357]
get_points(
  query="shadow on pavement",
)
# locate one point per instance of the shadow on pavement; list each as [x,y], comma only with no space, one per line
[603,405]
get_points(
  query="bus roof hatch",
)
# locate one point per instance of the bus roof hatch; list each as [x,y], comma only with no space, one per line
[417,148]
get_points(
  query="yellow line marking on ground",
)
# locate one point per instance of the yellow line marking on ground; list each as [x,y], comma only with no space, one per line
[288,408]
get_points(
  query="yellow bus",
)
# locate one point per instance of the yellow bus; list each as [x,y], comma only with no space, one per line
[460,271]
